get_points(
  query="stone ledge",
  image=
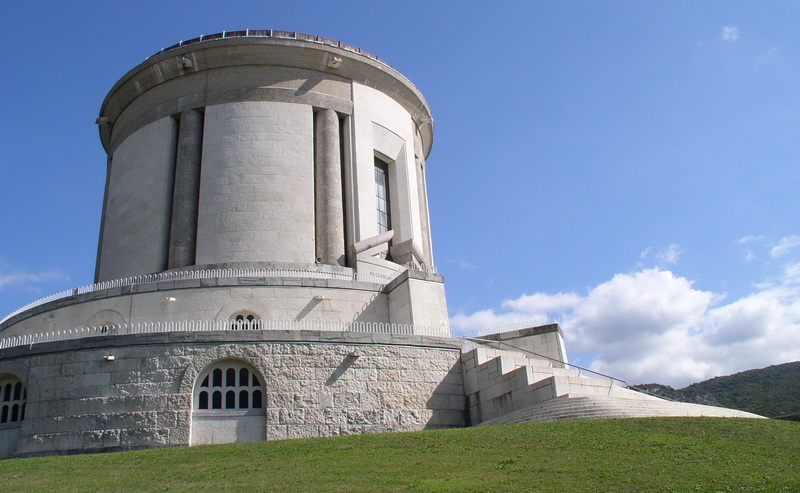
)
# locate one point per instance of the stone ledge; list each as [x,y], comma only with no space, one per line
[235,336]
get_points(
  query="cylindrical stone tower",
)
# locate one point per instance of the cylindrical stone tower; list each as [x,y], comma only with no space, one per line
[271,150]
[264,269]
[259,148]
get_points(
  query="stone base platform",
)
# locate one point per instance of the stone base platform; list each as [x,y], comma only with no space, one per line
[129,392]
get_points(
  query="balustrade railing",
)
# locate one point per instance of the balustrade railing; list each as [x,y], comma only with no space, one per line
[220,325]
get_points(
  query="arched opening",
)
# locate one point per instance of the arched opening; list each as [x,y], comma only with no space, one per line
[104,321]
[227,404]
[245,320]
[13,401]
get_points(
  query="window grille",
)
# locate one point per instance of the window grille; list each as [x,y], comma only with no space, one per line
[244,320]
[13,400]
[229,385]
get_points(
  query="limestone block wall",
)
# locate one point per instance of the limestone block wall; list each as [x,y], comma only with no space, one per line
[136,219]
[316,384]
[498,382]
[544,341]
[9,435]
[418,298]
[257,186]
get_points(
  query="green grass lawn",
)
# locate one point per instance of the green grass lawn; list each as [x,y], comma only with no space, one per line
[652,454]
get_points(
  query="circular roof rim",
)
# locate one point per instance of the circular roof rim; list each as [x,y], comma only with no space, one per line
[272,33]
[278,37]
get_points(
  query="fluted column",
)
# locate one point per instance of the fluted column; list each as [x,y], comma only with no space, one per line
[183,229]
[328,205]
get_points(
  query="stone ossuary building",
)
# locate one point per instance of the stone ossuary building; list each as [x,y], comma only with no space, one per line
[265,271]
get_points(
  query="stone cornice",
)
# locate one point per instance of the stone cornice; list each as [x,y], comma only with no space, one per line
[270,48]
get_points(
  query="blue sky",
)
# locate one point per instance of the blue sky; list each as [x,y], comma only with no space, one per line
[629,168]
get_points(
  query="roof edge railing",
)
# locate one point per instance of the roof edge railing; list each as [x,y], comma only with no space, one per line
[276,34]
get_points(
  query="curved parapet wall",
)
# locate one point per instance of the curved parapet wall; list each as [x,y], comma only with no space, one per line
[261,146]
[331,299]
[249,275]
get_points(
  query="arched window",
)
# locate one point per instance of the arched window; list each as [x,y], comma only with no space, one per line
[228,404]
[13,400]
[241,387]
[245,320]
[216,400]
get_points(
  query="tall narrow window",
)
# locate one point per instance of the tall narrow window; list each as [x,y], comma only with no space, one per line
[382,196]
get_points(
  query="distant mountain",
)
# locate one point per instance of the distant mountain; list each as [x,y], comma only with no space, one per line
[771,391]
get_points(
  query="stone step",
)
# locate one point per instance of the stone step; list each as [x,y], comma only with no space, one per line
[530,390]
[596,407]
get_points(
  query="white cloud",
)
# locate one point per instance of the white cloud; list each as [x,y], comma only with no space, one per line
[462,264]
[763,245]
[751,238]
[785,245]
[664,256]
[27,278]
[768,57]
[730,34]
[541,303]
[670,254]
[480,322]
[654,326]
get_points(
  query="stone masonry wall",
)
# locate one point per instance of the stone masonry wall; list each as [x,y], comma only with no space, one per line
[317,384]
[139,201]
[257,186]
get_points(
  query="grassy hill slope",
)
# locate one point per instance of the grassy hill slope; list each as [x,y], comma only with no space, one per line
[771,391]
[655,454]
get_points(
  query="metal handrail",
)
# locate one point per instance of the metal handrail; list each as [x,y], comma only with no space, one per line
[525,324]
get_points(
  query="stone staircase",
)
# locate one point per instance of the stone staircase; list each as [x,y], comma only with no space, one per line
[510,387]
[599,407]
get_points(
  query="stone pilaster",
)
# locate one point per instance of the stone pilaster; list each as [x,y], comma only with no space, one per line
[183,230]
[328,205]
